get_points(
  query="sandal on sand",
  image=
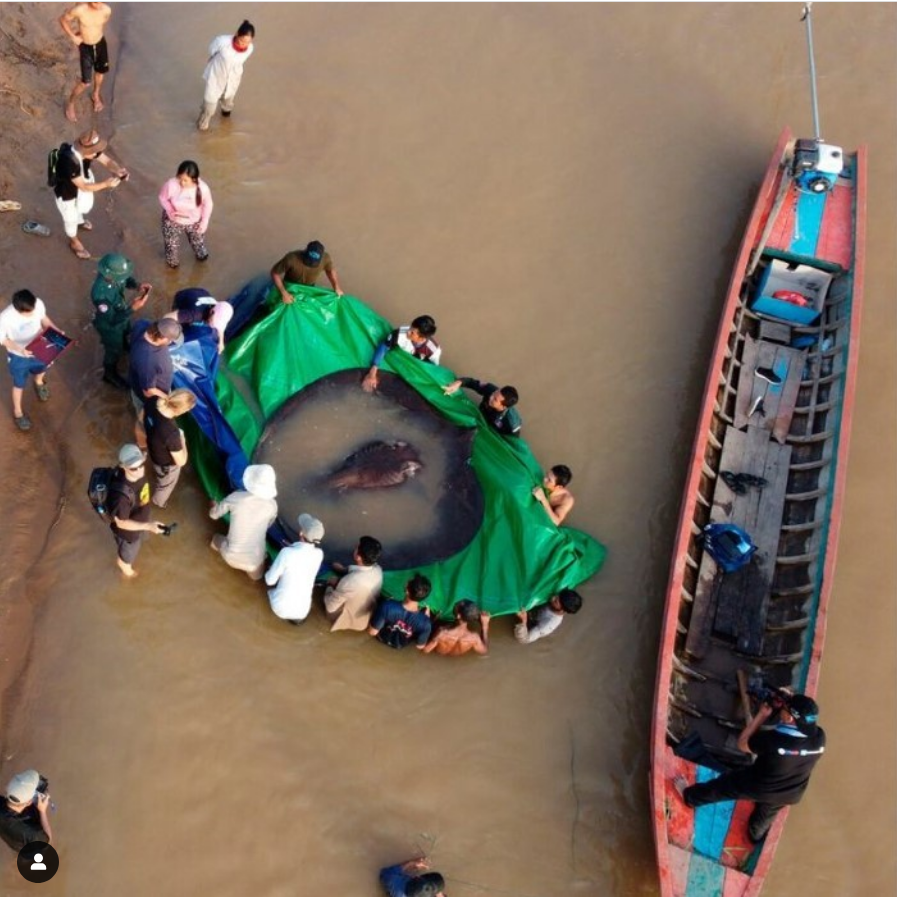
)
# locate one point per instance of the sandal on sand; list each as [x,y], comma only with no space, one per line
[23,422]
[43,391]
[85,225]
[10,205]
[32,227]
[81,253]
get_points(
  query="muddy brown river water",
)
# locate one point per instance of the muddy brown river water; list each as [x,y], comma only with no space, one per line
[563,188]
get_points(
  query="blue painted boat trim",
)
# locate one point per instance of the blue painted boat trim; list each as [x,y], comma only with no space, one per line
[711,821]
[705,877]
[807,223]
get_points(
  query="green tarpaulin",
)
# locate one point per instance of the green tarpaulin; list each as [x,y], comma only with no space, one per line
[518,558]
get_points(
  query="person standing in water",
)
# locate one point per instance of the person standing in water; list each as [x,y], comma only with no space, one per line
[92,50]
[224,70]
[553,494]
[186,202]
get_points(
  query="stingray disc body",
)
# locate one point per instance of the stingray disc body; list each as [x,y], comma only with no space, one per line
[377,465]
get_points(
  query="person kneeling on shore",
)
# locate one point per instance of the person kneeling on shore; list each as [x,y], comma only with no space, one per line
[293,572]
[453,641]
[252,510]
[129,507]
[23,816]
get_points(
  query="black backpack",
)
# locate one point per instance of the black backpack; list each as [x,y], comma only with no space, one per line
[53,162]
[103,481]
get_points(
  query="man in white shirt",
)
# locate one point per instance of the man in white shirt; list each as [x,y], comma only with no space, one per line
[252,510]
[224,71]
[293,572]
[546,617]
[20,323]
[352,594]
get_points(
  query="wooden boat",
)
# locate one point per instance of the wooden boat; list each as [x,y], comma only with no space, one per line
[790,428]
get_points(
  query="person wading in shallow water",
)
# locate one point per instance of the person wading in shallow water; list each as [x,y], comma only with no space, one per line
[186,202]
[453,641]
[410,879]
[304,266]
[415,338]
[497,405]
[224,71]
[93,53]
[553,494]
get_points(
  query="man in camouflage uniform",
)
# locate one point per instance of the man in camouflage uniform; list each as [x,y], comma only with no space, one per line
[112,310]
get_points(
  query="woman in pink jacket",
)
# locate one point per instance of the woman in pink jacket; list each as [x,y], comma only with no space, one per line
[186,208]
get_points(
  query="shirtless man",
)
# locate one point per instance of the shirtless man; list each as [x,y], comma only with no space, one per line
[459,639]
[553,494]
[92,50]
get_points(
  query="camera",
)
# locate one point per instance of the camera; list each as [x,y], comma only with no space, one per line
[42,784]
[167,529]
[769,694]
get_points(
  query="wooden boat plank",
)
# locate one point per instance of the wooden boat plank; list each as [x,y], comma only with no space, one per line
[738,846]
[705,876]
[679,818]
[711,821]
[836,233]
[778,399]
[734,606]
[679,861]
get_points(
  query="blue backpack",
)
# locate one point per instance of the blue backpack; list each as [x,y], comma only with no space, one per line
[729,545]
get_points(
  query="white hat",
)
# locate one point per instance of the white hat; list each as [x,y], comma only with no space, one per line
[21,787]
[260,480]
[311,527]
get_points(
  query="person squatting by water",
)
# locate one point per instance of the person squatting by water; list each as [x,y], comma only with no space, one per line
[553,494]
[351,594]
[224,71]
[93,53]
[545,619]
[112,310]
[186,202]
[497,405]
[453,641]
[24,815]
[304,266]
[252,509]
[76,185]
[784,758]
[165,440]
[293,573]
[129,507]
[20,322]
[415,338]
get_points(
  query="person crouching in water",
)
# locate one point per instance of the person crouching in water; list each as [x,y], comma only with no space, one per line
[456,640]
[252,510]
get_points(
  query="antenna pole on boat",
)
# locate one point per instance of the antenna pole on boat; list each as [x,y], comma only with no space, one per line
[806,17]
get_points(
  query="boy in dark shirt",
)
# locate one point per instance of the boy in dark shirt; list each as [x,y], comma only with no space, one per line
[497,405]
[398,624]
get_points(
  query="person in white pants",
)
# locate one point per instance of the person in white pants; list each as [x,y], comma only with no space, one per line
[224,71]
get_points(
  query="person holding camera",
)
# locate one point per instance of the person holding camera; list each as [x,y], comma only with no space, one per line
[784,758]
[24,815]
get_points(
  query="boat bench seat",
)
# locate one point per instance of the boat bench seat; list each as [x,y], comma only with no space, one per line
[733,606]
[778,399]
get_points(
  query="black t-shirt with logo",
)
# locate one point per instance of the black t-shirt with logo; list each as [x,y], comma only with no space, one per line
[163,436]
[785,760]
[129,500]
[19,829]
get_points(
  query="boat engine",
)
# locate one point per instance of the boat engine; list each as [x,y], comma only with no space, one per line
[816,165]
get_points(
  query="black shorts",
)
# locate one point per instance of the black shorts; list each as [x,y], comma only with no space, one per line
[94,58]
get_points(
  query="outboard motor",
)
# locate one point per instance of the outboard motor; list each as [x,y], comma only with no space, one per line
[816,165]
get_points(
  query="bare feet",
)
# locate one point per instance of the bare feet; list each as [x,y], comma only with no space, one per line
[98,104]
[70,113]
[127,570]
[79,250]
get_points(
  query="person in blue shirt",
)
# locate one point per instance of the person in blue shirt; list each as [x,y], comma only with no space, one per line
[397,624]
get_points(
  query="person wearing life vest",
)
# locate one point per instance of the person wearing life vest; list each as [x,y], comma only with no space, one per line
[784,758]
[112,310]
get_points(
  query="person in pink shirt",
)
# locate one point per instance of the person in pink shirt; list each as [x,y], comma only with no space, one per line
[186,208]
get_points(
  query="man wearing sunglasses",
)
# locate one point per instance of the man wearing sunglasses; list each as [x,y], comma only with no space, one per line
[129,507]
